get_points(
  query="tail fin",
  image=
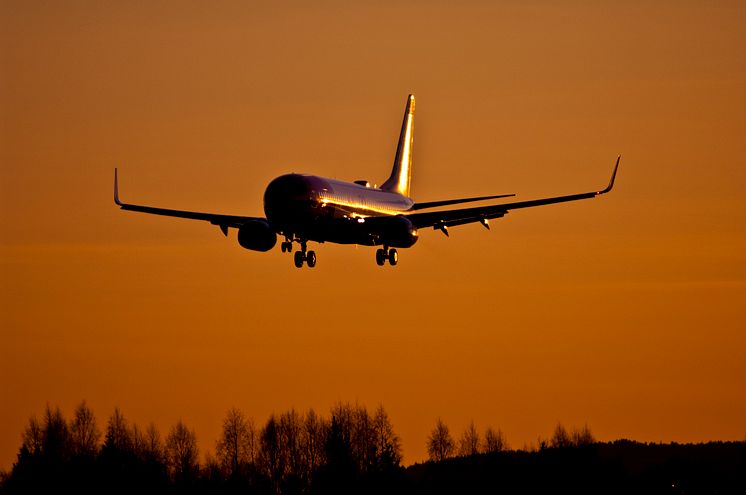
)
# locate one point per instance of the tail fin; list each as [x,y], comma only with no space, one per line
[401,174]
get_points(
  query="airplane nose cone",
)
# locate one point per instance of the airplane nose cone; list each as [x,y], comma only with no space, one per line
[288,197]
[287,187]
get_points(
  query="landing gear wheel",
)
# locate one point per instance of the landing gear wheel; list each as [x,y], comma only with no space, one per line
[287,246]
[299,259]
[311,259]
[380,257]
[393,257]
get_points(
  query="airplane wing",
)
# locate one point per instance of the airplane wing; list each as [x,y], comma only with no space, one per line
[441,220]
[222,221]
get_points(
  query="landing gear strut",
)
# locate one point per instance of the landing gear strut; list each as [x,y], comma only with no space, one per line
[303,256]
[386,254]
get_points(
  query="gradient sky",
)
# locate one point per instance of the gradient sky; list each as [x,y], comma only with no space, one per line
[626,312]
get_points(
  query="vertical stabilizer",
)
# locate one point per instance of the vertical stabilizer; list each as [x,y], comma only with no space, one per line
[401,174]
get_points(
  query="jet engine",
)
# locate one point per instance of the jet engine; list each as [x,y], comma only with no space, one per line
[397,232]
[257,235]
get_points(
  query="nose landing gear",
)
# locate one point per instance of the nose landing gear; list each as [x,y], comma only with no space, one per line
[386,254]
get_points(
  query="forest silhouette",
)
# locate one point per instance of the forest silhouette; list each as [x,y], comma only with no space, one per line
[352,450]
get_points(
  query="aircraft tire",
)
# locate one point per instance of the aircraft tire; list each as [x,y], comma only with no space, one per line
[393,257]
[299,259]
[311,259]
[380,257]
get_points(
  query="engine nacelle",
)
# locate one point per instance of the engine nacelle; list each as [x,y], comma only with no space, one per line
[397,232]
[257,235]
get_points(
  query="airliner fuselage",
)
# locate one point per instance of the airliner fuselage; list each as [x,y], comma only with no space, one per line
[320,209]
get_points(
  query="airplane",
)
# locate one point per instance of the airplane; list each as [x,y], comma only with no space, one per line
[307,208]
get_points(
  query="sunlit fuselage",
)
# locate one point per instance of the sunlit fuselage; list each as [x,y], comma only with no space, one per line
[320,209]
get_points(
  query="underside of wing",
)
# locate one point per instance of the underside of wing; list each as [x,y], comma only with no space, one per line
[450,218]
[222,221]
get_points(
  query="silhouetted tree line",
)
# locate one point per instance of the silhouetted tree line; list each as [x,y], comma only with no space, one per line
[574,462]
[351,451]
[441,445]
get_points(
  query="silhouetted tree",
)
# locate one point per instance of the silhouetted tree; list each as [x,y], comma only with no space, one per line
[582,436]
[33,437]
[494,441]
[84,433]
[56,437]
[339,449]
[117,439]
[440,442]
[148,456]
[117,460]
[235,449]
[182,453]
[138,440]
[362,451]
[29,472]
[44,455]
[469,443]
[341,469]
[362,438]
[315,431]
[290,428]
[270,459]
[152,447]
[560,437]
[387,445]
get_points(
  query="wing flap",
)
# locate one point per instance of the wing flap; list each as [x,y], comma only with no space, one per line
[452,218]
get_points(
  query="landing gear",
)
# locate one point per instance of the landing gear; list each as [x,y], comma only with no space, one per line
[303,256]
[311,259]
[385,254]
[380,257]
[299,259]
[287,247]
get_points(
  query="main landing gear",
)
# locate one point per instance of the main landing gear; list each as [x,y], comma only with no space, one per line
[386,254]
[302,256]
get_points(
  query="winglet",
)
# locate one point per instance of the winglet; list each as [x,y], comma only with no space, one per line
[613,177]
[116,188]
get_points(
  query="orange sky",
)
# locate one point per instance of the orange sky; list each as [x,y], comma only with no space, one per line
[626,312]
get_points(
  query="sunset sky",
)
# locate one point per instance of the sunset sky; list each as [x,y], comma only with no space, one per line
[626,312]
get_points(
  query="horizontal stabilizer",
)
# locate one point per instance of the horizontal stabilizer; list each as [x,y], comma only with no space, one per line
[446,202]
